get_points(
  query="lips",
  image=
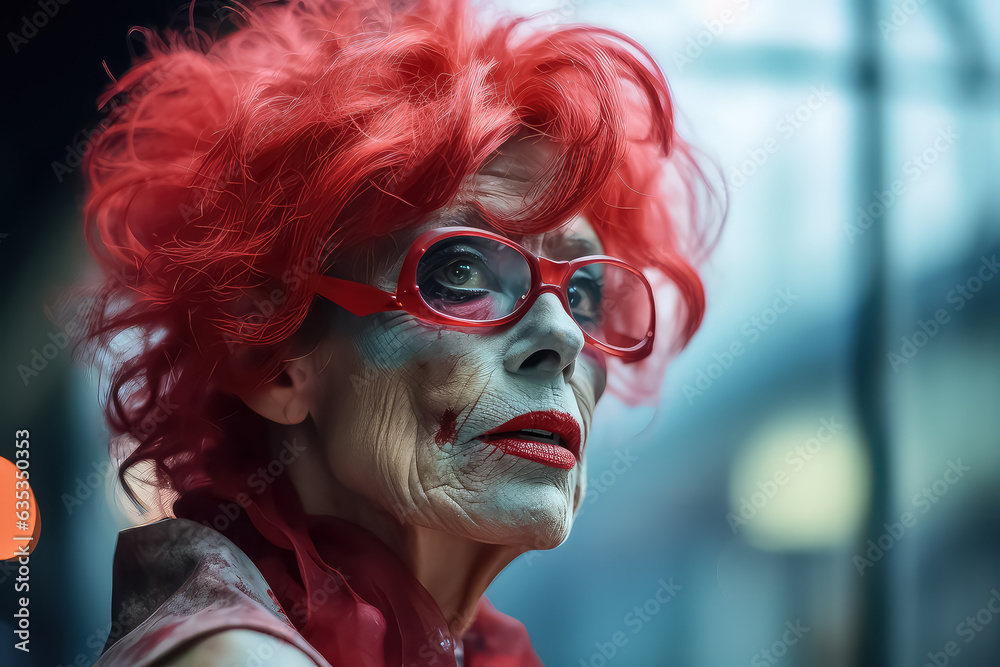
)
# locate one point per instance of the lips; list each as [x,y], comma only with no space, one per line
[548,437]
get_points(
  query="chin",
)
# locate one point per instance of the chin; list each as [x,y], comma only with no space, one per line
[539,519]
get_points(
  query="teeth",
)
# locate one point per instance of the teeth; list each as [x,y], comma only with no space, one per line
[540,435]
[547,436]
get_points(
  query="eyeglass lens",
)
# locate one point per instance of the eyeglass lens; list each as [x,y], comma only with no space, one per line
[480,279]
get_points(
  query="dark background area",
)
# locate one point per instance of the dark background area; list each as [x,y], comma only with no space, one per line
[49,110]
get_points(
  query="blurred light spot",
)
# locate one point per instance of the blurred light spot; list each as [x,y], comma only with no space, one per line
[799,483]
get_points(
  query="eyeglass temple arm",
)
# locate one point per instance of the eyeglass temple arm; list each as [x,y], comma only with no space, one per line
[357,298]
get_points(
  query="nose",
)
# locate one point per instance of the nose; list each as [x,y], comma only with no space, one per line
[546,341]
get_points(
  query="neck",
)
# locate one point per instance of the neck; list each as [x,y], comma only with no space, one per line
[455,570]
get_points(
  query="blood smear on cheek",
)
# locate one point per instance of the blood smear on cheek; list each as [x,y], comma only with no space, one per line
[446,429]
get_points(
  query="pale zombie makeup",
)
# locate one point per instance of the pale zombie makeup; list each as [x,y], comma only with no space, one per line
[408,428]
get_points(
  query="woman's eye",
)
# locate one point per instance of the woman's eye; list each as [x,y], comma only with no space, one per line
[468,274]
[457,274]
[585,298]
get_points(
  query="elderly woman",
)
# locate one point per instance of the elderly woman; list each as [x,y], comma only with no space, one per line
[370,266]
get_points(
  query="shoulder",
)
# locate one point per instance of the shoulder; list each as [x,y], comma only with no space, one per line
[185,595]
[235,647]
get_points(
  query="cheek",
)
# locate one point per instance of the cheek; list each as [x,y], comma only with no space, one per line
[588,382]
[448,383]
[363,413]
[595,363]
[369,434]
[420,393]
[413,382]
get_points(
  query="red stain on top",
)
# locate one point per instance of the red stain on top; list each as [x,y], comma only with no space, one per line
[447,428]
[150,639]
[274,599]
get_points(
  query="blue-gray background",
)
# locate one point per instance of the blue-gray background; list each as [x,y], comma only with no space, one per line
[812,111]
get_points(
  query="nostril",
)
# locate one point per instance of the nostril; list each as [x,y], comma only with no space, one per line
[545,359]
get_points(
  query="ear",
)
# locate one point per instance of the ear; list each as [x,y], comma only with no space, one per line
[285,399]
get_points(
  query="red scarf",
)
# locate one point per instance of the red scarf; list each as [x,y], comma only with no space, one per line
[351,597]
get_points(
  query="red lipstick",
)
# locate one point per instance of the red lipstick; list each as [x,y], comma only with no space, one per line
[548,437]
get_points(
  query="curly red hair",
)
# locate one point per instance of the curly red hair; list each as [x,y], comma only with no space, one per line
[234,170]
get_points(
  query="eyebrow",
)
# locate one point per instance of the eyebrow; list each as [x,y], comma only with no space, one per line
[569,245]
[468,216]
[574,245]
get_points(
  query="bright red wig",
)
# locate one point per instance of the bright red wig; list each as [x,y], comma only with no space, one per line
[234,169]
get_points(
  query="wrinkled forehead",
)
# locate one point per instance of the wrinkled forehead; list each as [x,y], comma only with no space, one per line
[502,185]
[574,239]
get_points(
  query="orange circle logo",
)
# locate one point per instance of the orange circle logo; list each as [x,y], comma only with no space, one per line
[20,524]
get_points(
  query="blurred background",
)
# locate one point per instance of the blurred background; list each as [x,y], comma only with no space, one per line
[819,485]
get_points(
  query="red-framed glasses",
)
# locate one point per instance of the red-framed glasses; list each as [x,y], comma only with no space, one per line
[468,277]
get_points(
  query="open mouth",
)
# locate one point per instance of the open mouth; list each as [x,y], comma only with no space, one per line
[551,438]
